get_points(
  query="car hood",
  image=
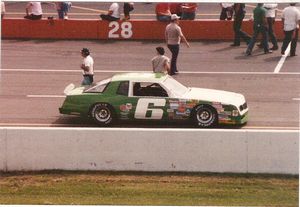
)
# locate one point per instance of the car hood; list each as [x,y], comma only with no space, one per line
[224,97]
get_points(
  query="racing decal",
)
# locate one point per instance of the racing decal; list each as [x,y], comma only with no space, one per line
[126,107]
[218,106]
[144,110]
[180,109]
[125,110]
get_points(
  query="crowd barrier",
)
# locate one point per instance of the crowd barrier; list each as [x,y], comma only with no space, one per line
[132,30]
[120,149]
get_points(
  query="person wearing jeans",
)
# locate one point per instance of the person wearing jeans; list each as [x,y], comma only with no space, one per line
[291,21]
[173,35]
[239,14]
[259,26]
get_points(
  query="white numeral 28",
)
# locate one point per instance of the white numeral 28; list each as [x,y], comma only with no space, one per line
[126,30]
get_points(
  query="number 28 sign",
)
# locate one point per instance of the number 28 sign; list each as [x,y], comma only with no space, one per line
[120,30]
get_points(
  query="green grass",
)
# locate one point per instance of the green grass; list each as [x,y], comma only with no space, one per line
[127,188]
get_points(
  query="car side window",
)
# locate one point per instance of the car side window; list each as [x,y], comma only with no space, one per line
[123,88]
[149,89]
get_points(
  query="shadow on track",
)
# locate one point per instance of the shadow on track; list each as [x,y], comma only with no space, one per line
[74,121]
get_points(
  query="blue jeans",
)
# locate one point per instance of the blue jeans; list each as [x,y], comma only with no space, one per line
[259,29]
[87,80]
[175,51]
[290,36]
[188,16]
[163,18]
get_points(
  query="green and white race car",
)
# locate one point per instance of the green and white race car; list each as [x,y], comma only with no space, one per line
[153,96]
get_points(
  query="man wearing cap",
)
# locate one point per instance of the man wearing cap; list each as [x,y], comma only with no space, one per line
[173,35]
[291,21]
[160,63]
[87,67]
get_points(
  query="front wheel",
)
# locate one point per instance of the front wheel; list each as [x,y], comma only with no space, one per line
[205,116]
[102,114]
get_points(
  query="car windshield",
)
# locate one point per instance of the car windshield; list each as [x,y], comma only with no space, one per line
[99,87]
[174,86]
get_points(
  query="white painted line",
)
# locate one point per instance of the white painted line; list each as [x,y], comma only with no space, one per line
[296,99]
[282,59]
[139,71]
[45,96]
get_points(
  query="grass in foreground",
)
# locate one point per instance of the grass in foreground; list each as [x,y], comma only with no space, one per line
[127,188]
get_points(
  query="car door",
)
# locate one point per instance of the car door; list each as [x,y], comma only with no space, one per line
[151,101]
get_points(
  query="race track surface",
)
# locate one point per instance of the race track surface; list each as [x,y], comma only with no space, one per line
[34,74]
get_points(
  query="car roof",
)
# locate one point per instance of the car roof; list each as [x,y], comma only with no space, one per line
[140,77]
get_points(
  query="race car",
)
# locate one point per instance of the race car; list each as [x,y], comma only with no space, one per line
[153,96]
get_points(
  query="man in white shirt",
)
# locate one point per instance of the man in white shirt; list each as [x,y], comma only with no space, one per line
[173,35]
[87,67]
[34,11]
[291,21]
[160,63]
[113,13]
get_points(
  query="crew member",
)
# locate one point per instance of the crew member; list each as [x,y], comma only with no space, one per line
[87,67]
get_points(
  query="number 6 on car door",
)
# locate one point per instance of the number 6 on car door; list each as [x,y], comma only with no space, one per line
[142,108]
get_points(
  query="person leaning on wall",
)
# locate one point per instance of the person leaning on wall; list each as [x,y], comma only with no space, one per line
[34,11]
[188,11]
[113,13]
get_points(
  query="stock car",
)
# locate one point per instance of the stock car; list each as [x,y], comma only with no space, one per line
[153,96]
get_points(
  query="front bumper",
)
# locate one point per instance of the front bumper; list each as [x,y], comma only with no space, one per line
[239,120]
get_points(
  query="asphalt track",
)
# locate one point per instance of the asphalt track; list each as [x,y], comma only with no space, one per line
[34,74]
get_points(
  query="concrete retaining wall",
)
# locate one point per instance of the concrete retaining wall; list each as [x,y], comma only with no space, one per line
[193,150]
[120,30]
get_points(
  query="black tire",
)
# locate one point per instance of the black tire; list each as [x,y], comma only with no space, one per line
[205,116]
[102,114]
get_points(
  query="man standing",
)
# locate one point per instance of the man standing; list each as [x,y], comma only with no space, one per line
[239,15]
[113,13]
[160,63]
[259,26]
[87,67]
[271,15]
[291,21]
[173,35]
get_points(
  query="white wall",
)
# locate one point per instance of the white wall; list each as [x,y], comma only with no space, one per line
[193,150]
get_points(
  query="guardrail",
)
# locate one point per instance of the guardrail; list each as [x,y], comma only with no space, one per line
[126,30]
[119,149]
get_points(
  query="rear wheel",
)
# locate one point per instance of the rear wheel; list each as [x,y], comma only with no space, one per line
[102,114]
[205,116]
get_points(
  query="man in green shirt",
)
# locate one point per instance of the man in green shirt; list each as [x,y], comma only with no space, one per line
[260,25]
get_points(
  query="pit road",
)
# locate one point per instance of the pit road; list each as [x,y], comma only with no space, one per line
[34,74]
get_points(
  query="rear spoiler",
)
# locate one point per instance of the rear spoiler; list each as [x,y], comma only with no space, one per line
[69,88]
